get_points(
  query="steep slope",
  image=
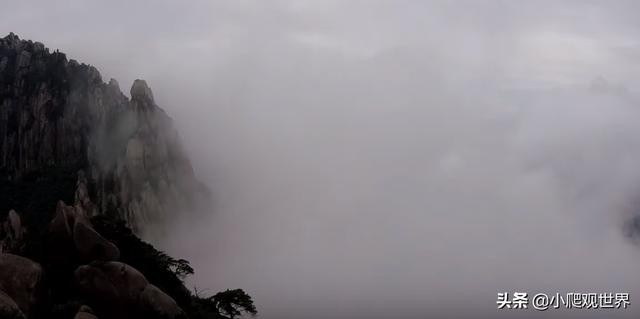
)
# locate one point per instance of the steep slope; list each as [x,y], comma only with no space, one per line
[84,171]
[58,117]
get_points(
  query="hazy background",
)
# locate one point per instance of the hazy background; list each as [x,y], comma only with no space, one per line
[387,159]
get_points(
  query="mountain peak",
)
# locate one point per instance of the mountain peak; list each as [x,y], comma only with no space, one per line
[141,91]
[58,114]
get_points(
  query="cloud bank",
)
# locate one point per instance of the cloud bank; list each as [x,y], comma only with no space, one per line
[388,159]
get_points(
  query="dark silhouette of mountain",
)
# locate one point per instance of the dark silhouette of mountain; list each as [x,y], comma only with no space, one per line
[84,170]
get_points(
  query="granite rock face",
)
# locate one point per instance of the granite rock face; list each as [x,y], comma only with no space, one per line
[74,152]
[12,233]
[21,280]
[72,237]
[121,291]
[8,307]
[58,115]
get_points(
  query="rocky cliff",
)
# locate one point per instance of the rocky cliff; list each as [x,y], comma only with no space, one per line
[83,171]
[57,115]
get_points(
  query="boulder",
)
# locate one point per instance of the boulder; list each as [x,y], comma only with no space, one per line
[12,234]
[91,245]
[15,224]
[60,224]
[156,304]
[112,287]
[8,308]
[60,245]
[94,284]
[120,291]
[127,280]
[20,278]
[85,312]
[112,278]
[72,235]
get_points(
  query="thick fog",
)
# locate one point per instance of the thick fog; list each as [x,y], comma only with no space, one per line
[388,159]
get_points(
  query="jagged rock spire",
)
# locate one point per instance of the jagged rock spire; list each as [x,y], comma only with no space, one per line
[140,91]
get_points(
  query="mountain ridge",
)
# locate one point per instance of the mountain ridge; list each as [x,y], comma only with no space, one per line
[84,173]
[58,113]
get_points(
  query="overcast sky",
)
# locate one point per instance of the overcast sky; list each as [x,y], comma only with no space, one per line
[387,159]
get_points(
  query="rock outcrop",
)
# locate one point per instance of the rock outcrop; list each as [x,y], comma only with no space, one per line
[58,114]
[76,152]
[120,291]
[85,312]
[8,307]
[72,238]
[12,234]
[60,121]
[20,279]
[155,302]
